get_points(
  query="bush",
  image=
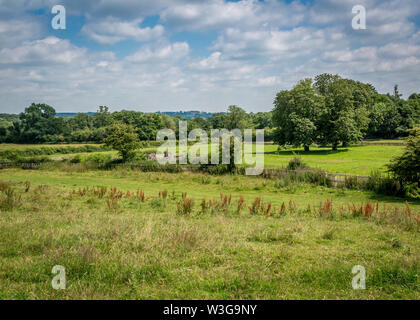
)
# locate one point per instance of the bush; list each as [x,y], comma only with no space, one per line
[101,159]
[76,159]
[406,168]
[32,160]
[50,150]
[214,169]
[185,206]
[9,200]
[296,163]
[123,138]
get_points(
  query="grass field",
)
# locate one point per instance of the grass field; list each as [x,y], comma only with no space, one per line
[358,160]
[259,240]
[144,250]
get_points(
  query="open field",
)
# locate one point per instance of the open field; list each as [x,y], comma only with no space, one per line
[118,246]
[126,234]
[356,160]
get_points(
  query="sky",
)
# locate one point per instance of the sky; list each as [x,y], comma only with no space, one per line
[170,55]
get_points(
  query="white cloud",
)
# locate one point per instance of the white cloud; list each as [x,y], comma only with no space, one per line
[161,53]
[276,44]
[47,51]
[217,14]
[260,47]
[14,31]
[111,31]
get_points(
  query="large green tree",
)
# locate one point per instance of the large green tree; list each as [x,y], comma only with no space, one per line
[123,138]
[38,124]
[297,113]
[236,118]
[346,117]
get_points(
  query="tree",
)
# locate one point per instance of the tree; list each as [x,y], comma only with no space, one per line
[406,168]
[102,117]
[236,118]
[262,120]
[218,121]
[346,117]
[81,121]
[296,114]
[38,124]
[123,138]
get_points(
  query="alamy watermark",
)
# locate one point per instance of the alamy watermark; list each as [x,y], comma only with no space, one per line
[359,20]
[220,142]
[59,20]
[359,280]
[59,281]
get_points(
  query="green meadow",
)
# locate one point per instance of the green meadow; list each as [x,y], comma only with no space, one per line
[357,160]
[127,234]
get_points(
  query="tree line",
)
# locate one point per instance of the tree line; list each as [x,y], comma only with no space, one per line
[328,110]
[39,124]
[331,110]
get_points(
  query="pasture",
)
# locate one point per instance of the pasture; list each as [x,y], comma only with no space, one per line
[126,234]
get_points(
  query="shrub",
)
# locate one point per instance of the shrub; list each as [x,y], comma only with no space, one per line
[214,169]
[51,150]
[124,139]
[32,160]
[185,207]
[76,159]
[9,200]
[101,159]
[296,163]
[406,168]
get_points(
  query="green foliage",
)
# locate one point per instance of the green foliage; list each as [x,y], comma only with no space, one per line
[50,150]
[9,199]
[346,118]
[76,159]
[123,138]
[296,163]
[37,124]
[406,168]
[297,113]
[236,118]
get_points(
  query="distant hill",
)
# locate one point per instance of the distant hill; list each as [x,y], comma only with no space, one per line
[71,114]
[184,114]
[188,114]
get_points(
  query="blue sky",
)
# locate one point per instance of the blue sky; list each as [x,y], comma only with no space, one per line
[204,55]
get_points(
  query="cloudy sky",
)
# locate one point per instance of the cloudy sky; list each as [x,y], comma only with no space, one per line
[197,55]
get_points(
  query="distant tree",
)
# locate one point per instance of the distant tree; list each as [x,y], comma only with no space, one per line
[414,102]
[5,128]
[236,118]
[296,114]
[102,117]
[148,125]
[198,123]
[262,120]
[406,168]
[81,121]
[123,138]
[168,122]
[37,124]
[384,120]
[346,118]
[218,121]
[397,94]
